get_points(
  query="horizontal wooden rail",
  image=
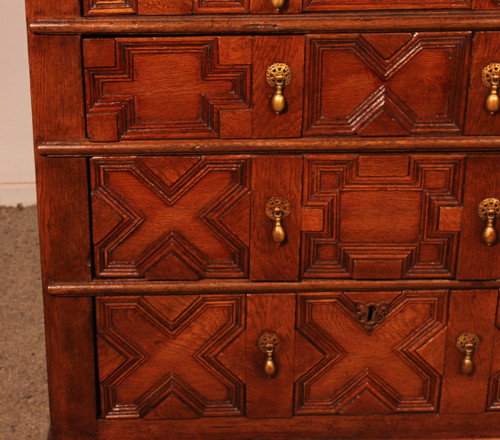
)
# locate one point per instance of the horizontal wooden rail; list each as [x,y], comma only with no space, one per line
[333,145]
[245,286]
[270,24]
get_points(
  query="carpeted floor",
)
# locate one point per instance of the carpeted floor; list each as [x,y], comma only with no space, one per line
[23,381]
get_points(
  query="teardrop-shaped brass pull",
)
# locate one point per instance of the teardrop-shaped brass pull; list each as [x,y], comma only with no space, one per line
[269,343]
[489,210]
[278,4]
[277,208]
[467,343]
[491,79]
[278,75]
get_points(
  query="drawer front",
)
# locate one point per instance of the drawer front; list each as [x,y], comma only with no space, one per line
[171,217]
[171,357]
[381,217]
[385,84]
[340,216]
[183,7]
[334,353]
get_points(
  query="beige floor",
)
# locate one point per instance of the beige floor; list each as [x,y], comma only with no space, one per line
[23,381]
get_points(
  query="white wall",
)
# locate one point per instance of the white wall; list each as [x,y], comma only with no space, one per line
[17,169]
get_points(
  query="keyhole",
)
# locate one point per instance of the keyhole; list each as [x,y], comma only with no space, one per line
[371,311]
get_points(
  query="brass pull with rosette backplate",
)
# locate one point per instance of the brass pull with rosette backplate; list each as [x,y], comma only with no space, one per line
[269,343]
[278,75]
[491,79]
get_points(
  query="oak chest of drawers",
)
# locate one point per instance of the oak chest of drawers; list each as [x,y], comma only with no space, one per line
[267,219]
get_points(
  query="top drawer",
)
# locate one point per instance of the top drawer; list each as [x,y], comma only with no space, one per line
[183,7]
[362,84]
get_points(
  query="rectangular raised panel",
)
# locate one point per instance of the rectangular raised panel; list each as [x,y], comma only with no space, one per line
[381,222]
[275,176]
[335,5]
[171,357]
[484,51]
[171,217]
[393,364]
[470,312]
[476,259]
[270,397]
[267,51]
[157,88]
[164,7]
[374,84]
[105,7]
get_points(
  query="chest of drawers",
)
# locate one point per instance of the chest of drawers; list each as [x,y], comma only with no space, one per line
[269,220]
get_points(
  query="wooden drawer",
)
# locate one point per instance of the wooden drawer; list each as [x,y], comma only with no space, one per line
[350,216]
[384,84]
[342,353]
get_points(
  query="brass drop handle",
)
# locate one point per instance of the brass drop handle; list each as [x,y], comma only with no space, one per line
[491,79]
[467,343]
[277,208]
[269,343]
[278,4]
[278,75]
[488,210]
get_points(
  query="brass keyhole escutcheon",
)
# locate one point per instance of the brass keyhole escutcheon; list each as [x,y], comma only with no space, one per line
[278,208]
[491,79]
[269,343]
[489,210]
[467,343]
[371,314]
[278,75]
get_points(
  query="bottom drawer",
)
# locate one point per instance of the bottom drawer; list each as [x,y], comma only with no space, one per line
[342,353]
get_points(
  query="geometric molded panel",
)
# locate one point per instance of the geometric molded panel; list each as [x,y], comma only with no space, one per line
[170,357]
[170,218]
[157,88]
[380,216]
[105,7]
[374,84]
[395,367]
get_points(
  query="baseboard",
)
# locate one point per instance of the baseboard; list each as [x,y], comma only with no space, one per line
[13,194]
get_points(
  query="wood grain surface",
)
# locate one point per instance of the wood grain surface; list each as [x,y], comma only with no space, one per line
[277,176]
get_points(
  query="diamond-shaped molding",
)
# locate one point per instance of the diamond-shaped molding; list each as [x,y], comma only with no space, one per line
[354,87]
[148,224]
[358,364]
[169,367]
